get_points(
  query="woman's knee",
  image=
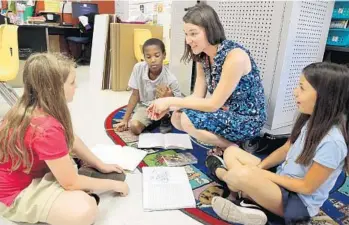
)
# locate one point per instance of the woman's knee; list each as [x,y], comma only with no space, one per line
[176,120]
[186,123]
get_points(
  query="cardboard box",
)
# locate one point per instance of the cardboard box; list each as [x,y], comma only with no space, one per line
[122,58]
[54,43]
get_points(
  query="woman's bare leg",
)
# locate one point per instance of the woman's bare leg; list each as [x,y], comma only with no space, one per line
[203,135]
[176,120]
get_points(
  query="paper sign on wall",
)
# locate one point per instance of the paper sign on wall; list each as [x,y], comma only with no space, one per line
[52,6]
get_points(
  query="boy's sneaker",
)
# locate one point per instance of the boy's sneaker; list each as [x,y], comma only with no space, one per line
[238,212]
[165,125]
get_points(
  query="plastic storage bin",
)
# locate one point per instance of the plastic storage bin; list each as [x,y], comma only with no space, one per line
[341,10]
[338,37]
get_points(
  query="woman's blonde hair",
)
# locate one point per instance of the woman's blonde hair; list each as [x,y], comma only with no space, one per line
[44,76]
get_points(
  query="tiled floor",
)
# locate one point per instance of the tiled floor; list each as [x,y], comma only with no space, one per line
[89,110]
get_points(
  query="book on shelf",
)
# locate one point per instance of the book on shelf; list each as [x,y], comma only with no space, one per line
[339,24]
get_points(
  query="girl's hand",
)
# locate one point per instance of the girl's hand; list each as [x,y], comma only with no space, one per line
[158,108]
[110,168]
[121,187]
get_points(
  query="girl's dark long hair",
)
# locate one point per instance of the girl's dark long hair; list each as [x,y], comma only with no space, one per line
[331,82]
[204,16]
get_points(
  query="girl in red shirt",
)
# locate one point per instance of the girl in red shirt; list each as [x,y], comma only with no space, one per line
[38,180]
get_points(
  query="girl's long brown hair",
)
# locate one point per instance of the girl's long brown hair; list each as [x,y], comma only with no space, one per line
[44,76]
[331,82]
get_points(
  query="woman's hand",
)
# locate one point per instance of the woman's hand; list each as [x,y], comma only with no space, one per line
[109,168]
[158,108]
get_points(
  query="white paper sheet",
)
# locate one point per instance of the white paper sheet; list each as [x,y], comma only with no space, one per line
[167,141]
[166,188]
[126,157]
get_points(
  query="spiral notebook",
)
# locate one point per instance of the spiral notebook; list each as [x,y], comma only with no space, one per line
[166,188]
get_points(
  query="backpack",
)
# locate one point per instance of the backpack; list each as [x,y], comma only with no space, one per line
[265,144]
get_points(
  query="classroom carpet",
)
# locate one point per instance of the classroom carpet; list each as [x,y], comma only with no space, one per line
[334,211]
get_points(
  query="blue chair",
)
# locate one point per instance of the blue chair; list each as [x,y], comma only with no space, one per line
[85,40]
[85,43]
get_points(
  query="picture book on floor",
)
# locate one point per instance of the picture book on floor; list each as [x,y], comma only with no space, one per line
[166,141]
[126,157]
[166,188]
[127,136]
[180,159]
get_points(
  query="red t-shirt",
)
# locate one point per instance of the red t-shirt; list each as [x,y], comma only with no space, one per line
[45,137]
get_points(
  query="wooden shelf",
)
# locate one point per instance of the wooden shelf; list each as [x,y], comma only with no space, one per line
[337,48]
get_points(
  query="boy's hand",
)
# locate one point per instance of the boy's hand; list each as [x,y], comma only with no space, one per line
[122,126]
[163,91]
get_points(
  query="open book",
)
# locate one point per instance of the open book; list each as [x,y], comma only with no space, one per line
[126,157]
[166,188]
[166,141]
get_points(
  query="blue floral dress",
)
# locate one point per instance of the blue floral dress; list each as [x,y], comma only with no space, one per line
[244,114]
